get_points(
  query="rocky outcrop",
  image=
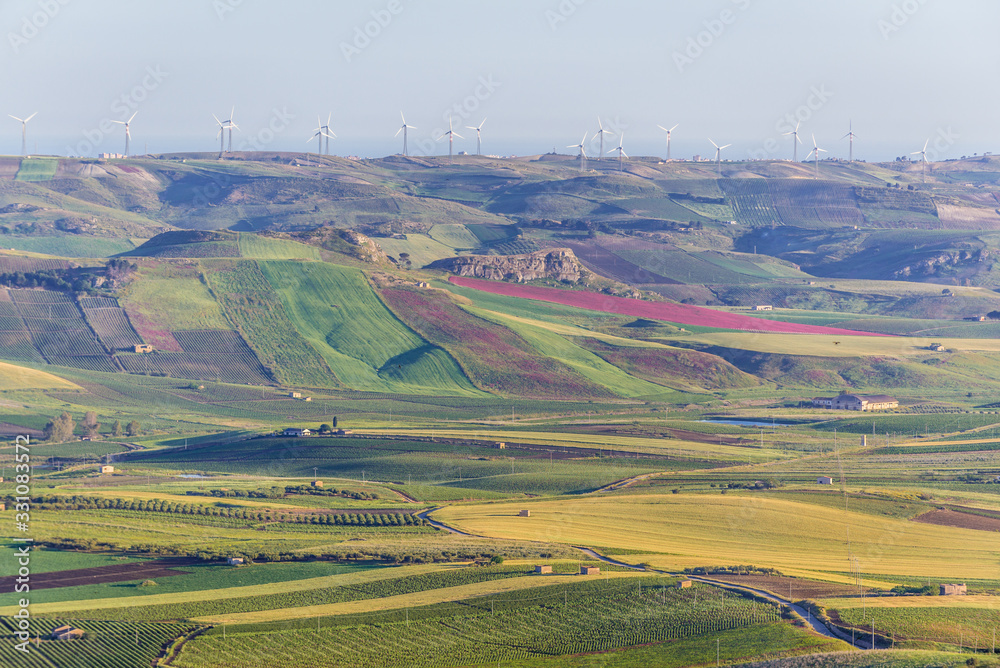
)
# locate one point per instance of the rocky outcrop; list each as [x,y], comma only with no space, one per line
[554,263]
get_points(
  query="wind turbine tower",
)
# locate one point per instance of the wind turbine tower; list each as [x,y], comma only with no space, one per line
[718,156]
[795,141]
[850,135]
[403,129]
[451,134]
[621,151]
[923,160]
[669,132]
[600,133]
[221,135]
[24,131]
[327,132]
[583,151]
[815,154]
[128,135]
[479,136]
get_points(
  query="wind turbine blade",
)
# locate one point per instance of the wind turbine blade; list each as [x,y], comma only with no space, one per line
[232,113]
[398,131]
[469,127]
[119,122]
[483,123]
[403,117]
[19,120]
[926,143]
[130,119]
[329,118]
[216,119]
[625,154]
[458,135]
[36,113]
[814,141]
[599,124]
[713,143]
[673,128]
[663,128]
[726,146]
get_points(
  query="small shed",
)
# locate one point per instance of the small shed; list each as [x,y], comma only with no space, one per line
[107,469]
[295,395]
[684,584]
[67,632]
[235,561]
[524,513]
[343,432]
[542,570]
[3,506]
[143,348]
[590,570]
[296,431]
[763,307]
[501,445]
[824,480]
[954,590]
[316,483]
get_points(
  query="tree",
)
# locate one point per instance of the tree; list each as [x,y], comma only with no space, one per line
[60,429]
[116,430]
[324,428]
[90,424]
[133,428]
[993,315]
[334,421]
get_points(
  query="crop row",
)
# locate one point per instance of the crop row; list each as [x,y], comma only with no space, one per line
[229,367]
[556,623]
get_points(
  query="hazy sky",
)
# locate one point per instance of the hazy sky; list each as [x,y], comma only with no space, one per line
[541,70]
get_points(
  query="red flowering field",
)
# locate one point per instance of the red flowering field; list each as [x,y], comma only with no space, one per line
[680,314]
[494,358]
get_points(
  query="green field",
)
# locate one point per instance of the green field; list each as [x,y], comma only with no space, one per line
[37,169]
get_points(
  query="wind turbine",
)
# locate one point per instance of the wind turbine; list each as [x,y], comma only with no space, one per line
[128,135]
[795,141]
[600,133]
[718,155]
[621,151]
[322,131]
[815,154]
[230,125]
[583,151]
[851,135]
[451,134]
[403,129]
[327,132]
[479,136]
[221,135]
[923,160]
[669,133]
[24,131]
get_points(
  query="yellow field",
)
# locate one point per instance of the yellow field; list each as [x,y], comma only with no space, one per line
[344,579]
[826,345]
[597,442]
[977,601]
[706,530]
[429,597]
[13,377]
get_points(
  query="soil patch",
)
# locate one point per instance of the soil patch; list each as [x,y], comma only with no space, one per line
[146,570]
[953,518]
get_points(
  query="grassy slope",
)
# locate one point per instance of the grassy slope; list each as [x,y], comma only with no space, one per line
[13,377]
[340,315]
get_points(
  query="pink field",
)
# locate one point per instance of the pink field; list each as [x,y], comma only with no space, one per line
[667,311]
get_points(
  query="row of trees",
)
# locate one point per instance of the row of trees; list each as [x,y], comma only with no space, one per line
[63,428]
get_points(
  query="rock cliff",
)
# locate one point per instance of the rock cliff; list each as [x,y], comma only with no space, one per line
[556,263]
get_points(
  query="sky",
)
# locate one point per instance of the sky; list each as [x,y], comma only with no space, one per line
[740,72]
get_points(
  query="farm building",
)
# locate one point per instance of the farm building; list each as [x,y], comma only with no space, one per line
[501,445]
[107,469]
[67,632]
[824,480]
[543,569]
[590,570]
[3,506]
[763,307]
[316,483]
[975,318]
[684,584]
[343,432]
[524,513]
[954,590]
[295,395]
[936,347]
[856,402]
[296,431]
[235,561]
[143,348]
